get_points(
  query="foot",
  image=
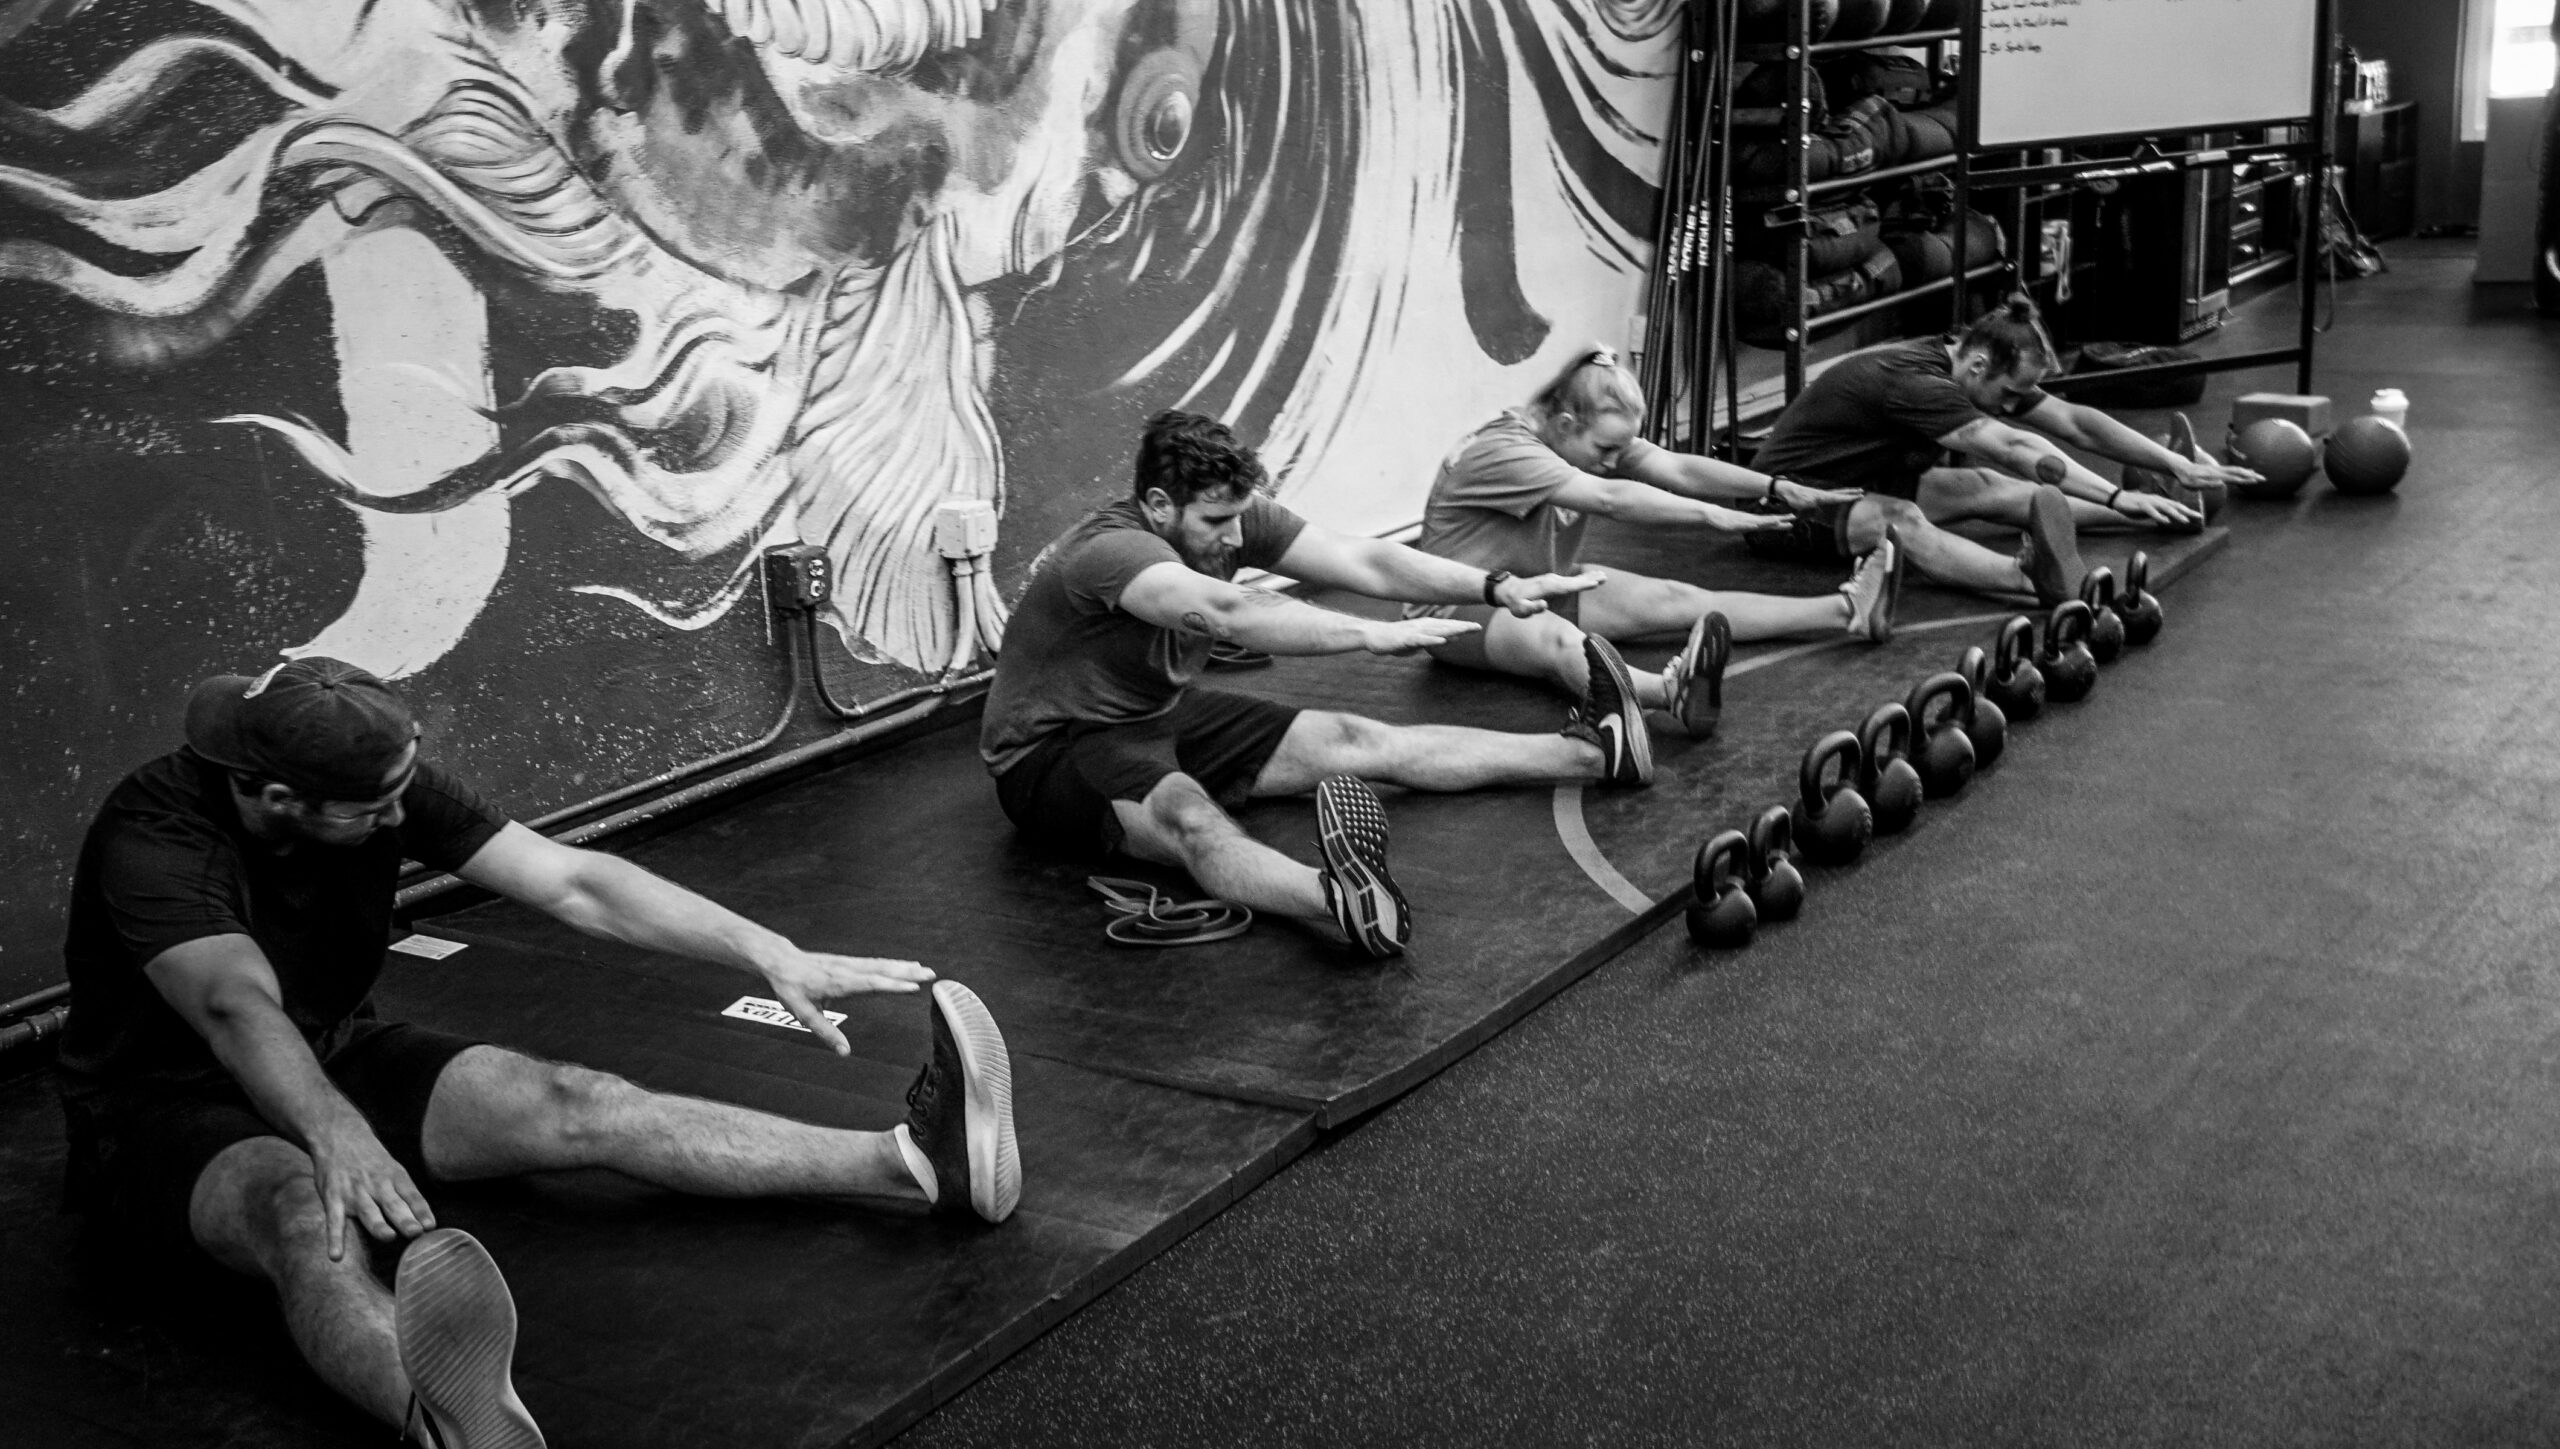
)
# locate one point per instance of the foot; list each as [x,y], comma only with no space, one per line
[456,1325]
[1693,682]
[1611,719]
[2051,556]
[1874,590]
[959,1127]
[1351,831]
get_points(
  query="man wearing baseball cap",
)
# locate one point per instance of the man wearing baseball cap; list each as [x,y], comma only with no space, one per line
[231,1096]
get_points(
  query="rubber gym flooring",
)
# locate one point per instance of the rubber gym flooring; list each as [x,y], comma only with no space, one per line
[2173,1084]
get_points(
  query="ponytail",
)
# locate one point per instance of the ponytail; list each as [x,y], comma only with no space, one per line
[1593,384]
[2011,334]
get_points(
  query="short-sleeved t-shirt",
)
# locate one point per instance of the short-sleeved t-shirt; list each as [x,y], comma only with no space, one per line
[168,861]
[1493,502]
[1873,421]
[1072,655]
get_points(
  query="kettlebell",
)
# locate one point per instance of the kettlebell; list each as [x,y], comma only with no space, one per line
[2070,670]
[1722,916]
[1832,820]
[1777,887]
[1885,775]
[2141,607]
[1941,749]
[1986,725]
[2106,626]
[2016,685]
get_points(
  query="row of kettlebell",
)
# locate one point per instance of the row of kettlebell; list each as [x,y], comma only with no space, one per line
[1858,784]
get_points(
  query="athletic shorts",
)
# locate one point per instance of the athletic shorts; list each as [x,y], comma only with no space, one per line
[1468,652]
[1060,794]
[137,1151]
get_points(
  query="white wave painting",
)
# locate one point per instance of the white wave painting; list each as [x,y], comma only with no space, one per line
[1387,219]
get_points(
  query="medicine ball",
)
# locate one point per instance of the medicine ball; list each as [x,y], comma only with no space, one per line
[2367,455]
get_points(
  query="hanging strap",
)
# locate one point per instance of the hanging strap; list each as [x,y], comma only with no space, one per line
[1141,915]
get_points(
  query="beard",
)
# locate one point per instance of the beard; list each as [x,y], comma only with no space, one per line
[1218,561]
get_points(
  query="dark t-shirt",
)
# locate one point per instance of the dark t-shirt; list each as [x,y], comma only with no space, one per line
[168,861]
[1873,421]
[1070,654]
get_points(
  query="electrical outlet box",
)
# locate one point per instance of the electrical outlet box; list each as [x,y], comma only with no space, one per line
[797,576]
[964,528]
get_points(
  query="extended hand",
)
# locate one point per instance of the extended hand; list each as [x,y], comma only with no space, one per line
[1802,499]
[1406,636]
[2205,470]
[2152,508]
[1524,597]
[803,979]
[358,1178]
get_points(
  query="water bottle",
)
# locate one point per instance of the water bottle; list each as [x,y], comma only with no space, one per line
[2392,404]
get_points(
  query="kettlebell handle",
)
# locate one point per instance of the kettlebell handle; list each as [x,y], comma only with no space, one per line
[1952,687]
[1720,865]
[2068,626]
[2017,641]
[1975,666]
[2098,589]
[1773,837]
[2137,577]
[1885,737]
[1838,747]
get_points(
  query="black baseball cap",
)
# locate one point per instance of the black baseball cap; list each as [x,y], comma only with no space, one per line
[323,727]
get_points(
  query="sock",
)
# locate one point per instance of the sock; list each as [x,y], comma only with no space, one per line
[917,1166]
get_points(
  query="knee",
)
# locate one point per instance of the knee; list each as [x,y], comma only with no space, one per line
[285,1212]
[578,1104]
[1874,515]
[1180,809]
[1349,741]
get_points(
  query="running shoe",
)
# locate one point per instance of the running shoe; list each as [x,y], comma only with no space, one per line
[1611,718]
[1351,831]
[2050,557]
[1694,679]
[960,1111]
[456,1327]
[1875,590]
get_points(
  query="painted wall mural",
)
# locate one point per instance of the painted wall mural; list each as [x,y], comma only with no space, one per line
[486,342]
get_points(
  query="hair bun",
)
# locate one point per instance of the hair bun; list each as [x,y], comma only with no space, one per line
[2021,308]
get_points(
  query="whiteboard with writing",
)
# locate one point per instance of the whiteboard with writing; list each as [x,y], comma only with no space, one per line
[2060,70]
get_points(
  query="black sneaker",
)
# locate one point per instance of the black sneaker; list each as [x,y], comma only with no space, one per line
[960,1110]
[1611,718]
[2051,557]
[1875,590]
[1694,679]
[1351,831]
[456,1327]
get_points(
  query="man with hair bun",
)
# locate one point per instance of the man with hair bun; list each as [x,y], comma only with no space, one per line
[1956,429]
[1517,494]
[1100,744]
[234,1103]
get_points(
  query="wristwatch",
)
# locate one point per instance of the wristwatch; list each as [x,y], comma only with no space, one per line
[1494,579]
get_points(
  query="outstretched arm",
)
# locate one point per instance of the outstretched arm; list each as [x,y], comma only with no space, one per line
[226,989]
[1176,596]
[607,896]
[1384,570]
[2031,455]
[2087,427]
[1630,500]
[1715,480]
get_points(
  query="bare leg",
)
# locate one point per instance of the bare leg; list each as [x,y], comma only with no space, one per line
[1178,824]
[496,1112]
[1977,492]
[1548,647]
[1419,757]
[1947,557]
[257,1210]
[1632,606]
